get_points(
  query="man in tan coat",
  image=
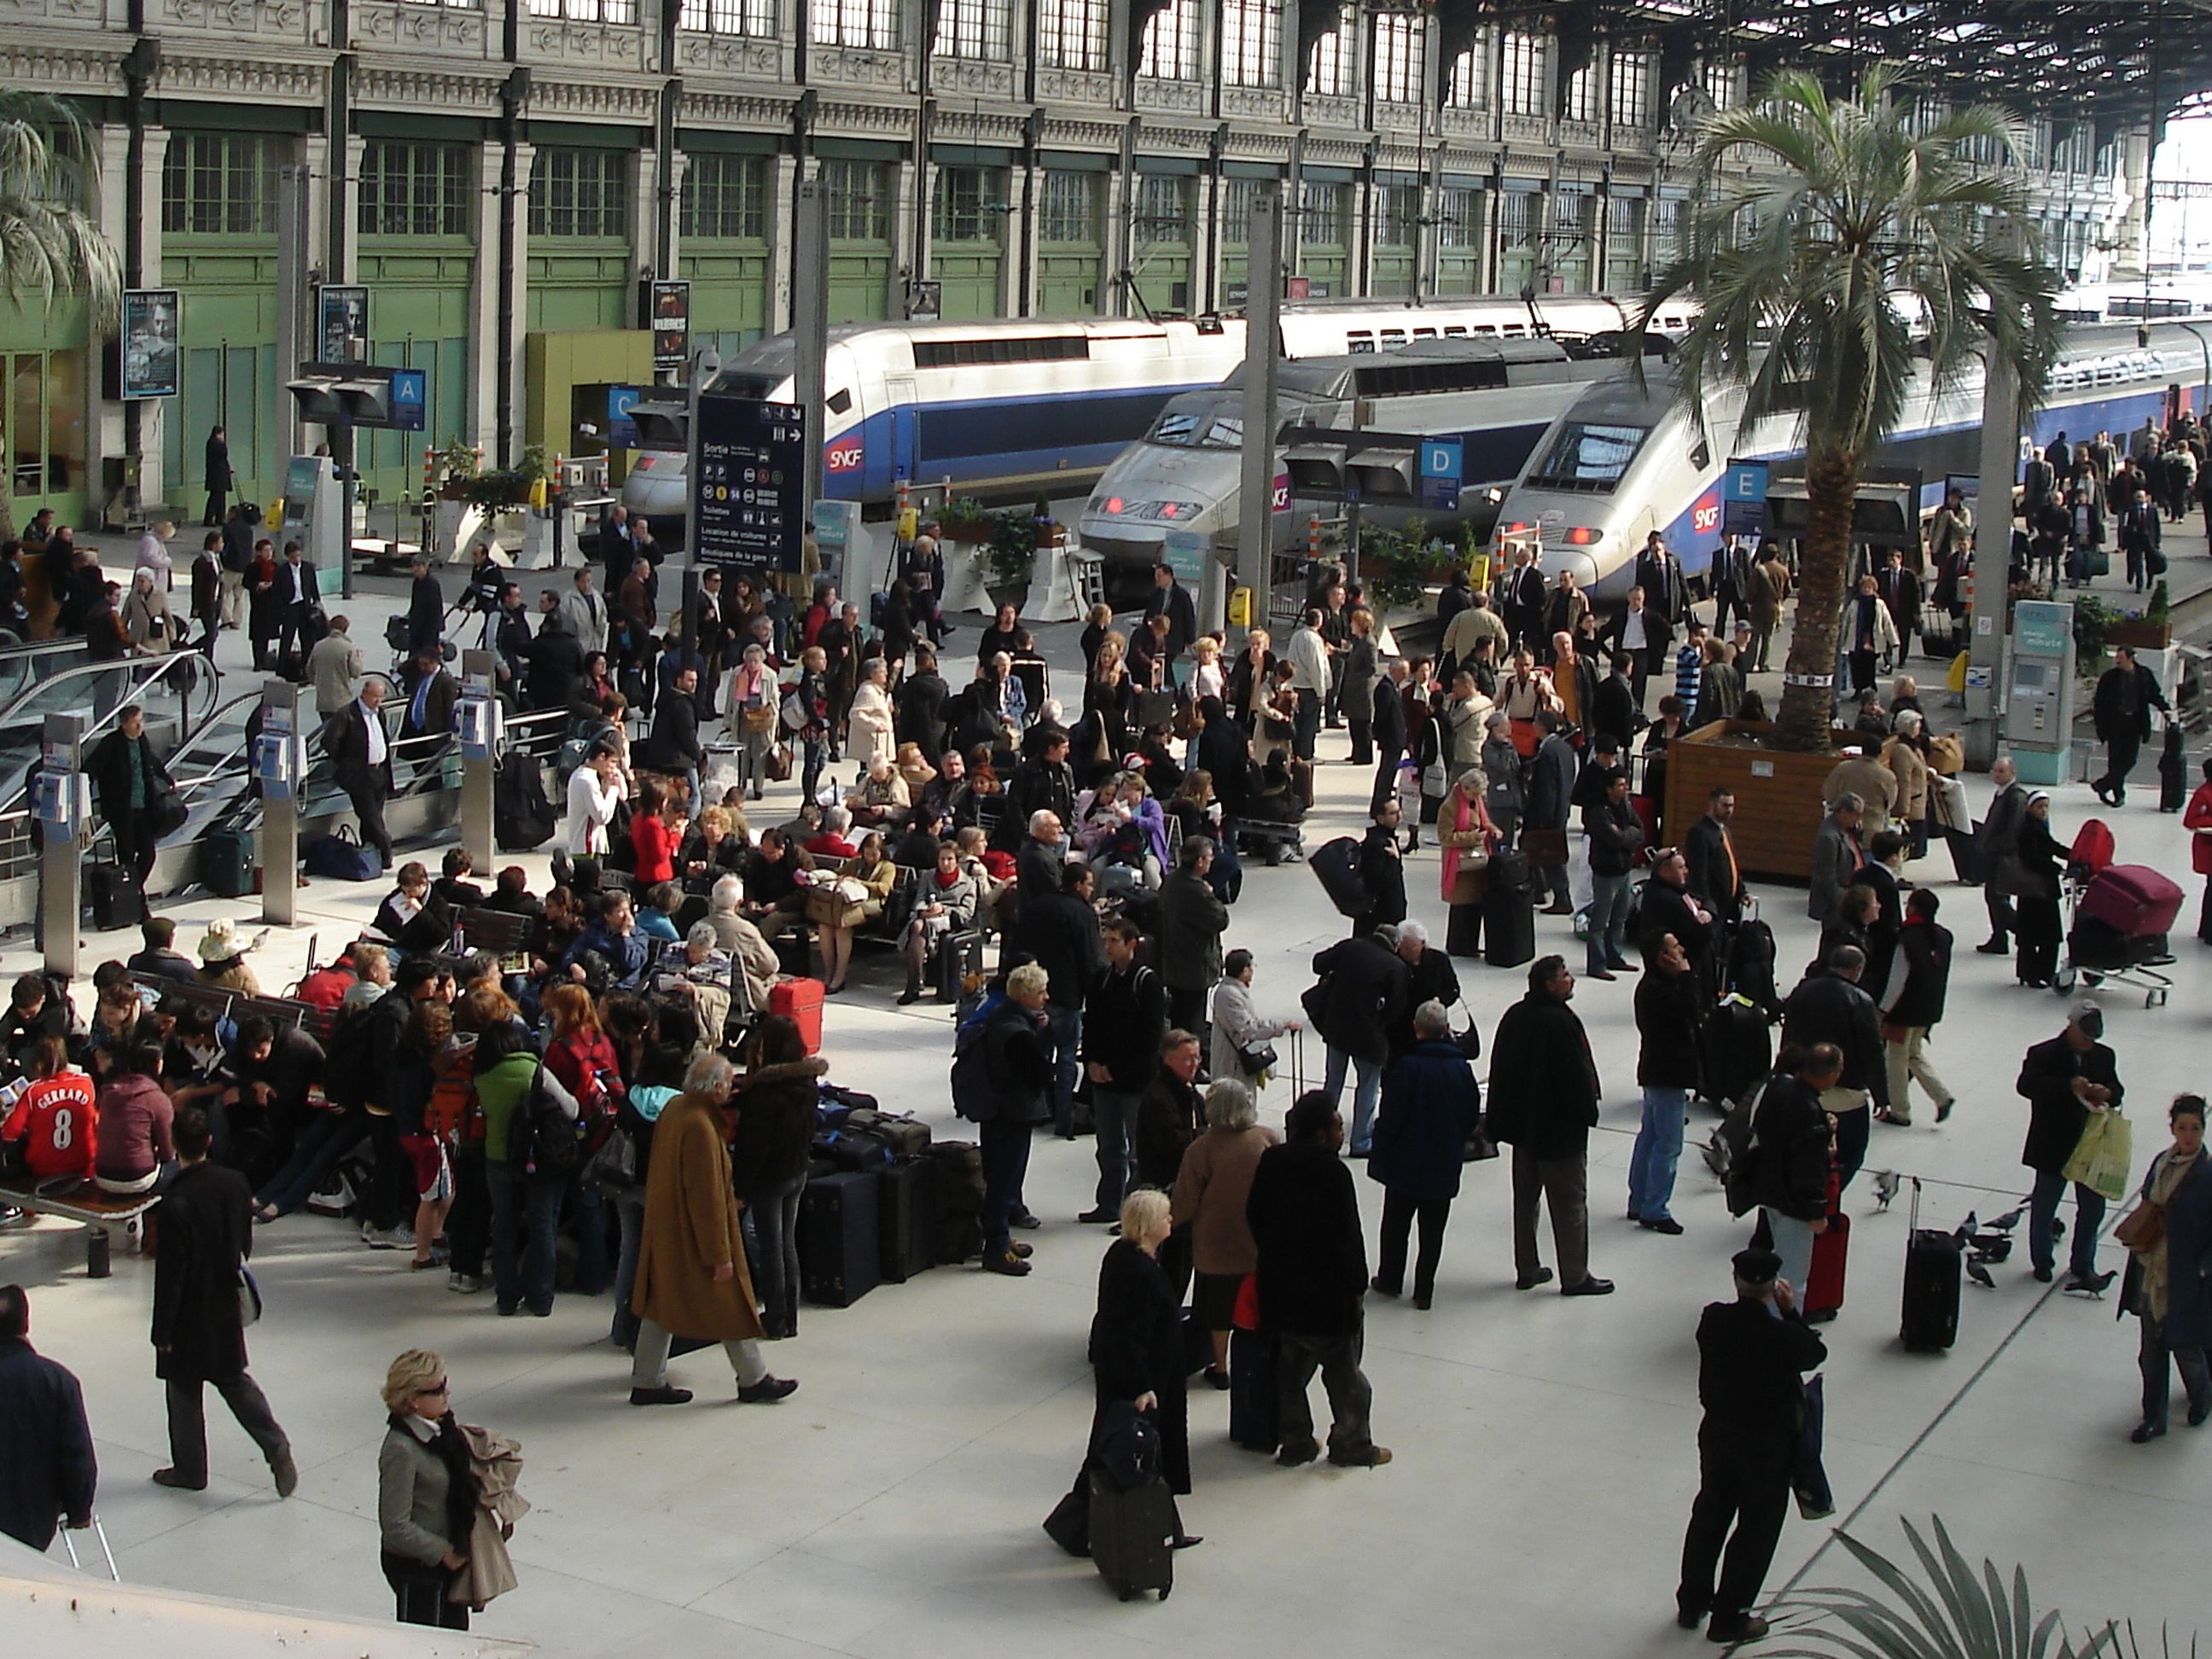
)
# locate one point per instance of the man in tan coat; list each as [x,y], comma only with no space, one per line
[691,1275]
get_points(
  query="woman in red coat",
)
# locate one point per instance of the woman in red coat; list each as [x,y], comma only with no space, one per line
[2197,819]
[652,836]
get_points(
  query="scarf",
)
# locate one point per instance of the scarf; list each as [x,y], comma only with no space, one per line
[2172,1170]
[451,1449]
[944,881]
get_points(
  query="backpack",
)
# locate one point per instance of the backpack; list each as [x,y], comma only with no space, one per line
[542,1139]
[1733,1153]
[972,1096]
[345,1057]
[521,816]
[453,1115]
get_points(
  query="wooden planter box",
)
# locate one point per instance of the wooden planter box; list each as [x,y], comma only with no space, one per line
[2140,635]
[1778,794]
[973,531]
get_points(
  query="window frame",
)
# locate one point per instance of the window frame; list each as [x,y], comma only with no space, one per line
[1172,45]
[453,195]
[1332,62]
[742,176]
[1523,73]
[1401,45]
[1252,43]
[738,20]
[224,158]
[858,25]
[971,222]
[975,30]
[1082,48]
[606,179]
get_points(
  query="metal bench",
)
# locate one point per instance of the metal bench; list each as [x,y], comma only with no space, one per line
[90,1208]
[236,1006]
[502,932]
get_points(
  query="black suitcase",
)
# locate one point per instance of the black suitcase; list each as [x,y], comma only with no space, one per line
[1133,1535]
[1932,1272]
[1255,1414]
[959,1199]
[959,960]
[1751,965]
[840,1261]
[115,896]
[1337,864]
[2172,767]
[906,1228]
[227,862]
[1734,1052]
[1509,925]
[1967,861]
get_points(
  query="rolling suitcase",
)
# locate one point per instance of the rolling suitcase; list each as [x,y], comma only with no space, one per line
[1337,865]
[2172,770]
[229,862]
[1132,1535]
[2133,899]
[959,1199]
[1254,1417]
[116,898]
[840,1259]
[906,1228]
[799,999]
[1967,861]
[1509,925]
[959,964]
[1823,1285]
[1932,1272]
[1734,1051]
[1751,965]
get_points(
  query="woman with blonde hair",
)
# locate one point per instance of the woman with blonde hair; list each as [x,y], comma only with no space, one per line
[1469,837]
[691,1271]
[426,1492]
[1206,677]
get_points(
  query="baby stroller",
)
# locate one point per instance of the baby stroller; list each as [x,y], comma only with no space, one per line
[2119,919]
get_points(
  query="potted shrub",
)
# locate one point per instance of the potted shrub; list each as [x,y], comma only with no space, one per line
[1010,553]
[965,520]
[2151,631]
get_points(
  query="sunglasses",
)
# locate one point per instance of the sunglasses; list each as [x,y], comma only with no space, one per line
[432,1392]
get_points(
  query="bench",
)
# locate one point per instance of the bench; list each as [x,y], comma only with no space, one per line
[502,932]
[89,1207]
[236,1006]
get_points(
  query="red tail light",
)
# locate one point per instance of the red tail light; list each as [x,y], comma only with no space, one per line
[1579,537]
[1113,503]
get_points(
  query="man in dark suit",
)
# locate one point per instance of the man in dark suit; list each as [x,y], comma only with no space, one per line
[1753,1355]
[1169,599]
[2063,1080]
[1731,579]
[1521,601]
[1900,592]
[205,1235]
[1829,1007]
[2126,693]
[1389,732]
[426,612]
[46,1443]
[555,658]
[1997,843]
[1312,1284]
[1659,573]
[2139,535]
[360,758]
[1709,852]
[296,597]
[431,692]
[1544,1097]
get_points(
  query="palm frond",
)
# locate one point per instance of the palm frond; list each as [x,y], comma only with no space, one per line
[49,244]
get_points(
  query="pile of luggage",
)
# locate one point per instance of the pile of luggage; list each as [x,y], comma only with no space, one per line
[883,1201]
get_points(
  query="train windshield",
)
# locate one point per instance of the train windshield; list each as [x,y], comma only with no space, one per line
[1196,429]
[1590,455]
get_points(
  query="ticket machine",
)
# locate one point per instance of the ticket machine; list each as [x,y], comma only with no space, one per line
[2039,711]
[314,513]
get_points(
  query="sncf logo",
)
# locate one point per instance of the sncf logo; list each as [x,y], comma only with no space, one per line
[846,457]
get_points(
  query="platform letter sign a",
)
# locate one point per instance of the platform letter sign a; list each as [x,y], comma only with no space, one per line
[1743,498]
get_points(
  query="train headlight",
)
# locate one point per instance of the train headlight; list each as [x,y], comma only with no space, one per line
[1179,509]
[1580,537]
[1114,504]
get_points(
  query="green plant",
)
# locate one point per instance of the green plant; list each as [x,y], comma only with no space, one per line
[1853,227]
[2160,608]
[1955,1614]
[2093,620]
[458,461]
[1012,548]
[1397,566]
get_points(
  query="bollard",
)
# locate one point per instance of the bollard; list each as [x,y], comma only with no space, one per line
[97,1254]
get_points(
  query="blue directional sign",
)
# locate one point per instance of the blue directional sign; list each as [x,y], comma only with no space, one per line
[1743,498]
[622,431]
[410,392]
[1443,462]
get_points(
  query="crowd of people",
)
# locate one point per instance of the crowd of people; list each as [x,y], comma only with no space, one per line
[616,1079]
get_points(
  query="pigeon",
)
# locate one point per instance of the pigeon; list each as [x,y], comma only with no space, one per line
[1965,1230]
[1885,1184]
[2009,1220]
[1992,1247]
[1979,1275]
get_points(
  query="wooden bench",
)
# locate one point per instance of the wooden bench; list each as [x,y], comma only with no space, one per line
[501,933]
[89,1207]
[237,1007]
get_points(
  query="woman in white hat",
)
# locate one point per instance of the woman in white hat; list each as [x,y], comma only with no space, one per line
[222,959]
[154,551]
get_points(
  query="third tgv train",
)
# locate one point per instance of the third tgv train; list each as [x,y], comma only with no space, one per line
[1003,409]
[1624,460]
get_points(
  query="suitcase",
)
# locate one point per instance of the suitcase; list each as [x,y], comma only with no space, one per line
[1337,864]
[959,962]
[1509,925]
[1751,966]
[906,1225]
[959,1199]
[1647,814]
[1966,862]
[2172,770]
[839,1259]
[1133,1535]
[799,999]
[228,862]
[1255,1417]
[115,896]
[1932,1272]
[1823,1285]
[2133,899]
[908,1137]
[1734,1051]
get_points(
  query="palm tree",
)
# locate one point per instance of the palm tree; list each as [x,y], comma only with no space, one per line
[1822,234]
[49,244]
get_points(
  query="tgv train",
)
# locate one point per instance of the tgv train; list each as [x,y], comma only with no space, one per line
[1011,407]
[1496,395]
[1626,460]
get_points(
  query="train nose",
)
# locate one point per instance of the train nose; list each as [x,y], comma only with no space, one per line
[1575,559]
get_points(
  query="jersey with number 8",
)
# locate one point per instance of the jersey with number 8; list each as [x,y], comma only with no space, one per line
[57,1124]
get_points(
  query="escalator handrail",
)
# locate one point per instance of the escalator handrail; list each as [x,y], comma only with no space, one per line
[164,664]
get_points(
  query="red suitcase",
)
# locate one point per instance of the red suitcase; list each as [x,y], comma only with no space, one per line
[1823,1285]
[799,999]
[1647,814]
[2133,899]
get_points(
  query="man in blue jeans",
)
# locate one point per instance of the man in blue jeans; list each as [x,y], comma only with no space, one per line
[1125,1020]
[2065,1081]
[1365,986]
[1006,1099]
[1668,1006]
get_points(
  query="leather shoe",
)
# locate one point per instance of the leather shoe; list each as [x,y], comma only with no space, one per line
[1006,1262]
[1559,909]
[286,1474]
[768,1390]
[1601,973]
[1420,1304]
[2198,1413]
[663,1395]
[1665,1224]
[1373,1458]
[1216,1378]
[2141,1434]
[178,1482]
[1381,1289]
[1291,1456]
[1689,1618]
[1099,1217]
[1744,1627]
[1590,1286]
[1189,1541]
[2043,1275]
[1991,947]
[1023,1248]
[1529,1281]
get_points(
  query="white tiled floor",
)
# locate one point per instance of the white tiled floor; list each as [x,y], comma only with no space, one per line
[1545,1449]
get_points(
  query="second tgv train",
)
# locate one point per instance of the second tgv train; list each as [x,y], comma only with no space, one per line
[1624,460]
[1014,407]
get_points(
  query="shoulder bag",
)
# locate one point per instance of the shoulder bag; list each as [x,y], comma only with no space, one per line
[2142,1228]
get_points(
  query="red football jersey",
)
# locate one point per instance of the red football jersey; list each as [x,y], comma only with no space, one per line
[56,1121]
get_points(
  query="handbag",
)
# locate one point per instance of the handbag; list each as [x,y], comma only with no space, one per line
[166,813]
[611,1171]
[759,720]
[2142,1228]
[1260,1057]
[779,763]
[249,1297]
[2102,1157]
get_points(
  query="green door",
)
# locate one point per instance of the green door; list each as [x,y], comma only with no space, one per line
[420,306]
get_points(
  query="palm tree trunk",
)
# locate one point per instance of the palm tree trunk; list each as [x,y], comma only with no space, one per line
[1808,690]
